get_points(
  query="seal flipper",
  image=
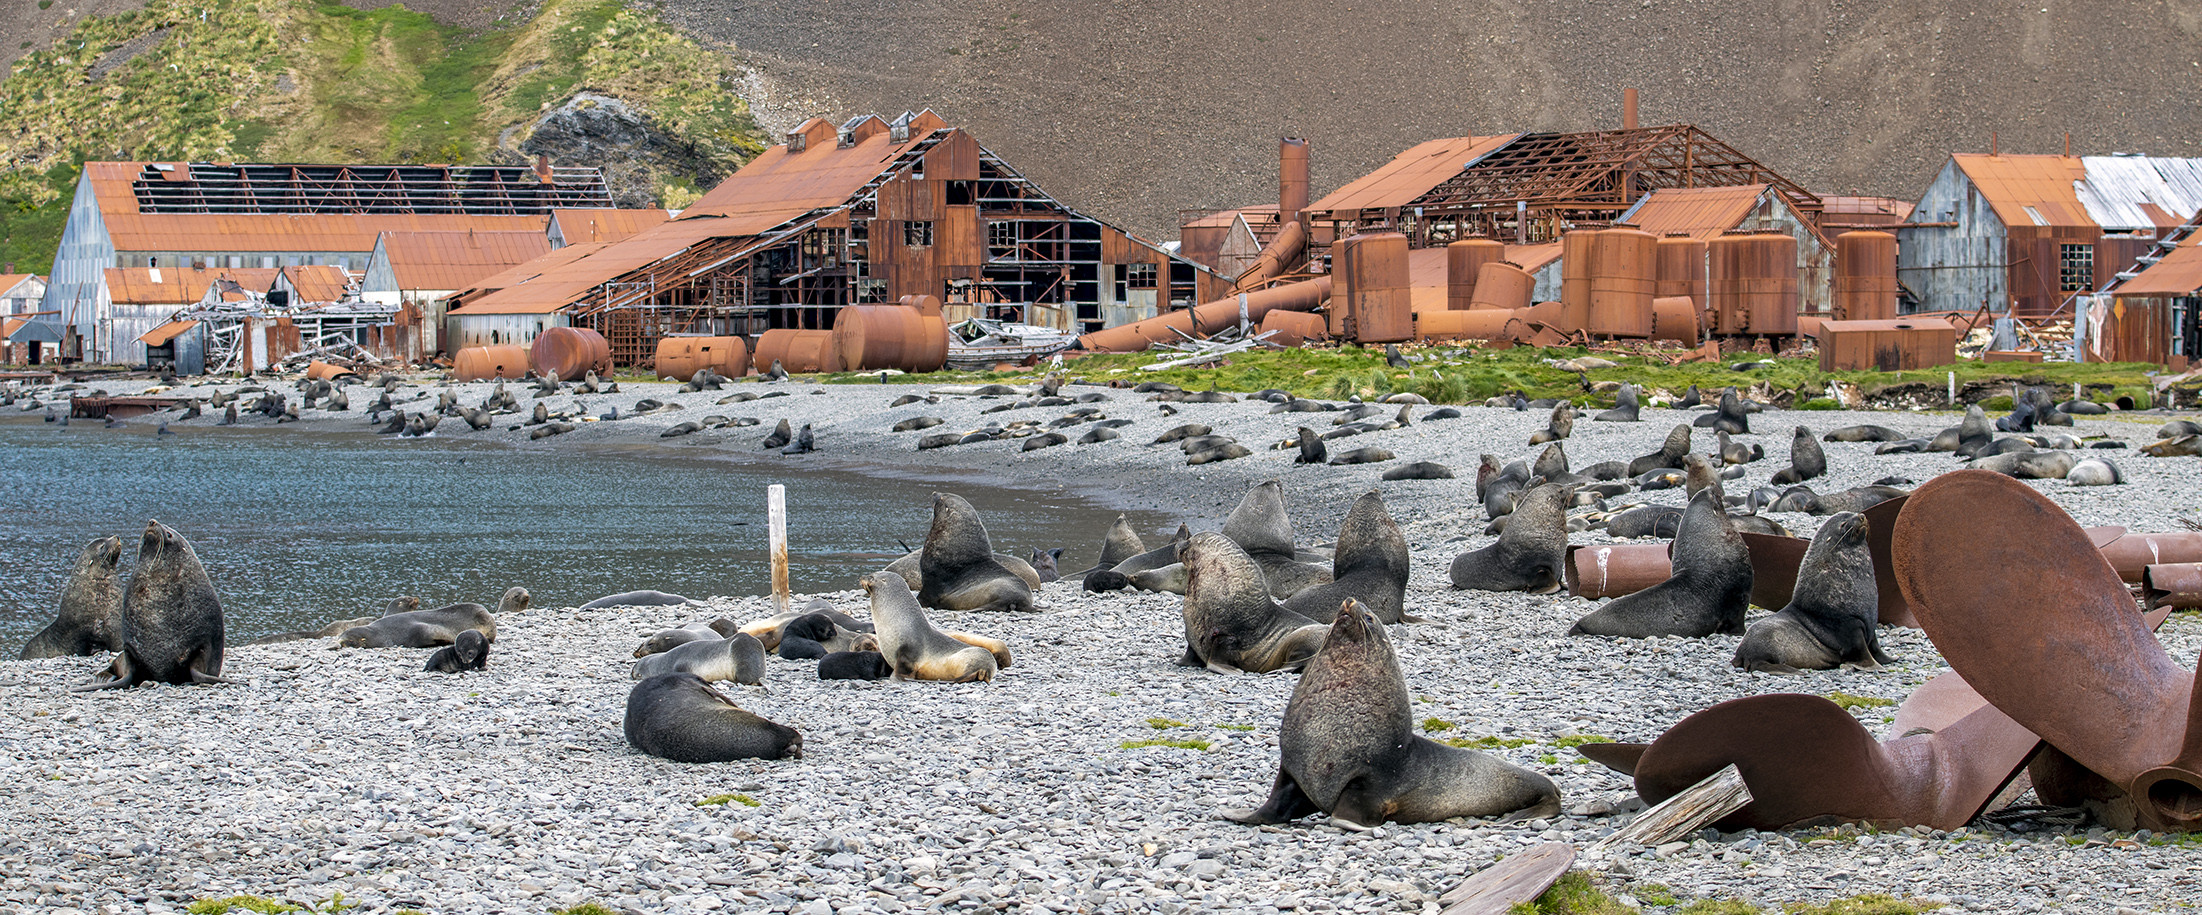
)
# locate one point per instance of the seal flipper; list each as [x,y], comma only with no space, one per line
[1286,803]
[1361,806]
[1191,658]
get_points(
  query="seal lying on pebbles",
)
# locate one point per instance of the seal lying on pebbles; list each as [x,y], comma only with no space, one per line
[90,619]
[1806,460]
[1118,577]
[637,599]
[681,718]
[1558,427]
[2095,472]
[1044,563]
[1707,592]
[470,651]
[2027,465]
[815,635]
[1347,747]
[739,657]
[1370,566]
[1530,551]
[1419,470]
[171,618]
[1645,521]
[1231,622]
[430,628]
[1259,526]
[668,639]
[854,665]
[915,649]
[1361,456]
[1831,618]
[1866,433]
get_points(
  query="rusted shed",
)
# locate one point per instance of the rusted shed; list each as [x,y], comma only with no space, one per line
[567,353]
[681,357]
[484,363]
[1889,346]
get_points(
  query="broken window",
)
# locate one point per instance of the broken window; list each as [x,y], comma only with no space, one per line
[960,193]
[2075,267]
[1140,276]
[1001,240]
[918,233]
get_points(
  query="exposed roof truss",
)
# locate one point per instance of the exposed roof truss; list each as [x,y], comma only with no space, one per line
[1602,170]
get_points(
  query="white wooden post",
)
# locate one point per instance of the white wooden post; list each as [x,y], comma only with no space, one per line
[776,519]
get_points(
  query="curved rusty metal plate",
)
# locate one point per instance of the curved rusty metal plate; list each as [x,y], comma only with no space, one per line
[1774,562]
[1936,704]
[1620,757]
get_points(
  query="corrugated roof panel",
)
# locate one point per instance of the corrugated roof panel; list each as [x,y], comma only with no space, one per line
[456,260]
[2010,184]
[1700,212]
[318,283]
[592,226]
[1411,174]
[791,184]
[176,285]
[160,336]
[571,281]
[521,273]
[2178,274]
[2117,186]
[201,232]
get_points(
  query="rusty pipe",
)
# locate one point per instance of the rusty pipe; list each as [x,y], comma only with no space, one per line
[2132,554]
[1206,318]
[1281,254]
[2177,585]
[1292,178]
[1615,569]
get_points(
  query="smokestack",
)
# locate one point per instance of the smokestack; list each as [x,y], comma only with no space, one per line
[1628,109]
[1291,178]
[542,168]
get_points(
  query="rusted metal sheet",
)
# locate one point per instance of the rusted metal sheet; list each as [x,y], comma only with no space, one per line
[1576,253]
[327,371]
[160,336]
[1676,319]
[682,357]
[2176,585]
[1702,213]
[1681,269]
[2011,356]
[1865,276]
[2131,329]
[1886,345]
[1596,571]
[455,260]
[484,363]
[1410,174]
[2178,274]
[582,226]
[567,353]
[1623,270]
[1464,263]
[120,407]
[2085,673]
[1377,307]
[1293,328]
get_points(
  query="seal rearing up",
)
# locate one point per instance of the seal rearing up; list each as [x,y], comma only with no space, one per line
[1830,621]
[1530,551]
[1370,565]
[1259,526]
[1347,747]
[90,618]
[1707,593]
[959,567]
[1231,622]
[908,641]
[171,618]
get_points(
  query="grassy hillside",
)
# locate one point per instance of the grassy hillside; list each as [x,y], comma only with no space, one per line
[312,80]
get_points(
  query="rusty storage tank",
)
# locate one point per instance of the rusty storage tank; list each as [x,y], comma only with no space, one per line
[1476,324]
[1503,284]
[1865,276]
[1676,319]
[925,304]
[798,351]
[1623,265]
[679,358]
[870,337]
[567,353]
[1575,258]
[486,363]
[1293,328]
[1752,283]
[1379,306]
[1464,262]
[1681,268]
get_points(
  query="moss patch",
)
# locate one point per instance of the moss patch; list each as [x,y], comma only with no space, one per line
[1854,703]
[721,800]
[1870,904]
[1172,744]
[1487,743]
[260,904]
[1573,894]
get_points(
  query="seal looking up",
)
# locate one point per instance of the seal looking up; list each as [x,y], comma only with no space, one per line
[915,649]
[470,651]
[1706,594]
[1370,565]
[1831,617]
[1529,552]
[958,564]
[91,607]
[1231,622]
[171,618]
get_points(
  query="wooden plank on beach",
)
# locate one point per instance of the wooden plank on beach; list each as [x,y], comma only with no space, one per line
[1697,807]
[1521,877]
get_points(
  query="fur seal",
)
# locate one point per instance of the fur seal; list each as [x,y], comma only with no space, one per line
[1361,456]
[1625,407]
[1529,553]
[1189,430]
[1044,563]
[1045,440]
[908,567]
[1729,417]
[739,657]
[1419,470]
[470,651]
[1863,434]
[1121,542]
[1706,594]
[781,435]
[1347,747]
[430,628]
[1737,452]
[1224,452]
[681,718]
[636,599]
[1370,565]
[668,639]
[171,618]
[855,665]
[1645,521]
[1231,622]
[1311,447]
[915,649]
[1118,577]
[2028,465]
[2095,472]
[90,619]
[1831,617]
[1560,426]
[1669,454]
[1806,460]
[915,423]
[1259,526]
[1551,463]
[2177,446]
[825,628]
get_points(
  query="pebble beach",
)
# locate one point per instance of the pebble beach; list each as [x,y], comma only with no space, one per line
[1085,778]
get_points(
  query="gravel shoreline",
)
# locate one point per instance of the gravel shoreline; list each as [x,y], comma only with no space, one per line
[355,772]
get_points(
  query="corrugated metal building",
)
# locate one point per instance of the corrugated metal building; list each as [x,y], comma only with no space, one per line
[177,215]
[864,213]
[425,268]
[1706,213]
[21,295]
[134,301]
[578,227]
[2154,317]
[2024,234]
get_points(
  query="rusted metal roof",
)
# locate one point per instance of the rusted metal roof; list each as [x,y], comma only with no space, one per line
[1863,211]
[177,285]
[2178,274]
[2029,190]
[322,189]
[456,260]
[11,280]
[1224,218]
[570,281]
[523,272]
[1702,213]
[160,336]
[784,184]
[317,283]
[585,226]
[1411,174]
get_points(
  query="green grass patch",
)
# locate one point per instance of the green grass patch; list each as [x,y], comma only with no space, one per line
[1487,743]
[1719,907]
[1869,904]
[1854,703]
[586,908]
[1158,742]
[721,800]
[1573,894]
[1569,743]
[260,904]
[1235,727]
[1161,723]
[1655,894]
[1437,725]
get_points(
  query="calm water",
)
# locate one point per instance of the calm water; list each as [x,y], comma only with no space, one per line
[298,528]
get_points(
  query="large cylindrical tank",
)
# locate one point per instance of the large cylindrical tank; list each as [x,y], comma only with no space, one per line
[1623,264]
[1293,328]
[567,353]
[1575,258]
[1676,319]
[1752,287]
[1681,268]
[1464,262]
[1493,324]
[798,351]
[925,304]
[1379,305]
[870,337]
[487,363]
[1865,276]
[679,358]
[1503,284]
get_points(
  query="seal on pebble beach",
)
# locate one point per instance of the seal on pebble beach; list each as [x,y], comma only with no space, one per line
[1558,427]
[739,657]
[854,665]
[958,564]
[637,599]
[1232,624]
[1831,618]
[1259,526]
[1707,592]
[1118,577]
[171,618]
[1806,460]
[669,639]
[1419,470]
[1370,566]
[680,717]
[1347,747]
[90,619]
[470,651]
[915,649]
[422,628]
[1119,543]
[1530,551]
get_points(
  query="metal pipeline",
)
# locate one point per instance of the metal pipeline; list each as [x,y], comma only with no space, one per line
[1281,254]
[1206,318]
[2175,585]
[2132,554]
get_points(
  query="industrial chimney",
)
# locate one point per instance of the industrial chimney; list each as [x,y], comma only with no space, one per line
[1628,109]
[1291,178]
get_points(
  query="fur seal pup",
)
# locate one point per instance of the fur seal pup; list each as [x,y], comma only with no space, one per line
[1361,456]
[1231,622]
[1645,521]
[1831,617]
[1259,526]
[1863,434]
[1347,747]
[1730,417]
[636,599]
[1560,426]
[959,567]
[1706,594]
[915,649]
[1529,553]
[825,629]
[781,435]
[171,618]
[739,657]
[470,651]
[1625,407]
[90,619]
[1669,455]
[855,665]
[1311,447]
[919,422]
[1806,460]
[422,628]
[1044,562]
[803,443]
[1419,470]
[2095,472]
[681,718]
[668,639]
[1737,452]
[1370,565]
